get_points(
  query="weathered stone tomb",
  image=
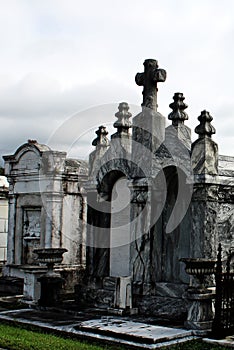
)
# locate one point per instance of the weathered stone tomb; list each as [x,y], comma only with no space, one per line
[47,208]
[155,197]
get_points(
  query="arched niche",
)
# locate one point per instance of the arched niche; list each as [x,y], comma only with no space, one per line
[172,229]
[108,227]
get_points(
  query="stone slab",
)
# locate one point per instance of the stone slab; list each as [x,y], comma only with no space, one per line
[133,330]
[106,329]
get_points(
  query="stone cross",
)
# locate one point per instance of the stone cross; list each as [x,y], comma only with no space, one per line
[149,79]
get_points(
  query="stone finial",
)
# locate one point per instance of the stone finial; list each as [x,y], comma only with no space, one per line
[178,115]
[204,154]
[101,139]
[205,128]
[149,79]
[123,123]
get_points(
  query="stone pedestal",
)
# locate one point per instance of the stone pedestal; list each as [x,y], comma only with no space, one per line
[32,291]
[50,290]
[123,293]
[123,297]
[200,314]
[51,282]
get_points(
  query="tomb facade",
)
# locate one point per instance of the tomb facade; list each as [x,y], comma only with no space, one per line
[47,208]
[154,197]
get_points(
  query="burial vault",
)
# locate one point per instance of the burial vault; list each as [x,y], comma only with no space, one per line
[154,197]
[47,208]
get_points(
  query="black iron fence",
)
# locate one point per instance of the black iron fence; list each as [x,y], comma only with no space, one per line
[223,323]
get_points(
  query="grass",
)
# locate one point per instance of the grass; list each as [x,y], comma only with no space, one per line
[16,338]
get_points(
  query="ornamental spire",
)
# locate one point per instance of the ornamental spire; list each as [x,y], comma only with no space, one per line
[101,139]
[205,128]
[123,123]
[178,115]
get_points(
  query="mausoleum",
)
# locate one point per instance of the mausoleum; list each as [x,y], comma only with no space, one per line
[47,208]
[154,197]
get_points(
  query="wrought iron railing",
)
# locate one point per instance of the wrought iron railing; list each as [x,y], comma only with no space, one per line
[223,323]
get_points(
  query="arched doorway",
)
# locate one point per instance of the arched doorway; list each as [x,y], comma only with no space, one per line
[108,227]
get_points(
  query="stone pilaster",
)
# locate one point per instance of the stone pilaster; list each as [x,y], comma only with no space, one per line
[204,212]
[11,230]
[140,235]
[147,136]
[205,194]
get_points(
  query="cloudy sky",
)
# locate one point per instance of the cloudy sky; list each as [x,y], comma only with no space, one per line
[66,64]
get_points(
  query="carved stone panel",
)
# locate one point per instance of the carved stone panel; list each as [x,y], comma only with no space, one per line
[29,162]
[31,233]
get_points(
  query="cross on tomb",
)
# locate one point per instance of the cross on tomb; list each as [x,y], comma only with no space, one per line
[149,79]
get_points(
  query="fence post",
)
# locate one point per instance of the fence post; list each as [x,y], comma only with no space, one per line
[217,328]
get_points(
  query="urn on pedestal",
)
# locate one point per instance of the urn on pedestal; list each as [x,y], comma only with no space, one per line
[51,282]
[200,314]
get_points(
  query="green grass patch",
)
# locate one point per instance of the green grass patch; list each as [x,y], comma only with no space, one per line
[17,338]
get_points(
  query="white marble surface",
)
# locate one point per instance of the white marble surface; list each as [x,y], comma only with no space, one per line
[134,334]
[121,327]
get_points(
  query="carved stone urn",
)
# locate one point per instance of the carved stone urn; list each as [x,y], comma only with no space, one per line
[199,268]
[51,282]
[50,256]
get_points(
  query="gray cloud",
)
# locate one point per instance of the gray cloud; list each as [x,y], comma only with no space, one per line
[61,57]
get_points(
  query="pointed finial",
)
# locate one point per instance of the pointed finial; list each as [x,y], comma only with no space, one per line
[205,128]
[178,115]
[123,123]
[101,139]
